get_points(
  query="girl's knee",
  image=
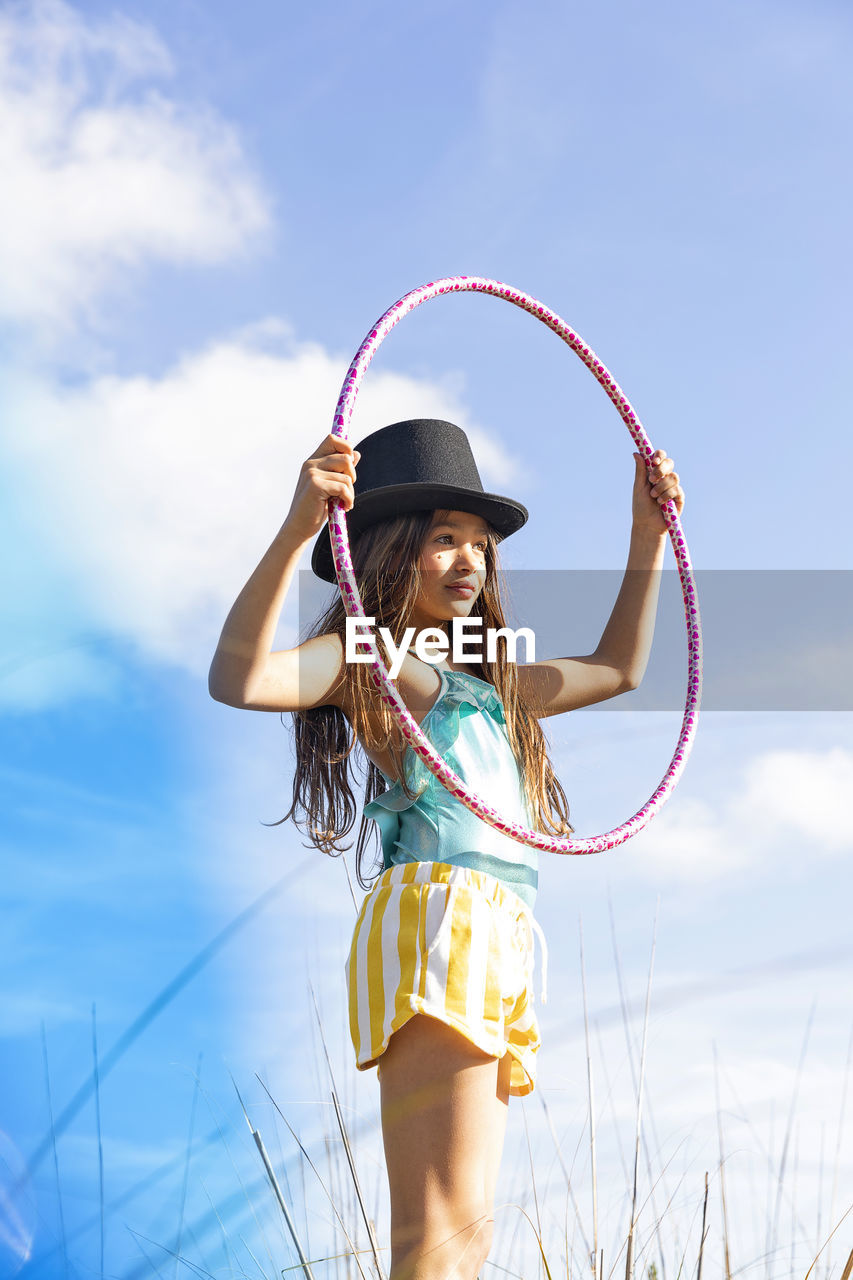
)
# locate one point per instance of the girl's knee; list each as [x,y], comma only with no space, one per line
[475,1247]
[447,1245]
[482,1242]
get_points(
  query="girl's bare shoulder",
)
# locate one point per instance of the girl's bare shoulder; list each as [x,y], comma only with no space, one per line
[322,671]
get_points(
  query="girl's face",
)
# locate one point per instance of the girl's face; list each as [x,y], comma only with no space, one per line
[453,562]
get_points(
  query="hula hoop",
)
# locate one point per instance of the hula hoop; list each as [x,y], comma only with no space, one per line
[352,600]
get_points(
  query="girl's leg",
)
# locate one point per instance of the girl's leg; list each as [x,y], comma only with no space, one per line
[444,1109]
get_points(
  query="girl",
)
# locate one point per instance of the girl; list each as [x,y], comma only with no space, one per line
[440,970]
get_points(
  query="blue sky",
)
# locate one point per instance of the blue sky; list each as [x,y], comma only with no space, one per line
[205,209]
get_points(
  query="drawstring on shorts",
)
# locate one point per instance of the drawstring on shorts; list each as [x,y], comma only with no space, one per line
[532,930]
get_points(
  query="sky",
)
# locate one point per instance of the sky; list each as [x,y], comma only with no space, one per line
[205,209]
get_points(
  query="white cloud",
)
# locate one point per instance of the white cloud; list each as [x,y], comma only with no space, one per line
[163,493]
[139,505]
[788,801]
[805,794]
[101,171]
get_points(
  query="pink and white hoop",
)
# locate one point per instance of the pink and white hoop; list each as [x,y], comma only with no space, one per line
[352,599]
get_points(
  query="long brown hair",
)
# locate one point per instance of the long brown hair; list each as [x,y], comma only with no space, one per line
[386,559]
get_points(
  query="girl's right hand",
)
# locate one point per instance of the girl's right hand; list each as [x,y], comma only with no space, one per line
[330,473]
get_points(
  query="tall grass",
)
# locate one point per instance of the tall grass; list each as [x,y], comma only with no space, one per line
[307,1199]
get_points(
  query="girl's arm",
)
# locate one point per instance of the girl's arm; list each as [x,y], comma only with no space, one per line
[244,673]
[620,659]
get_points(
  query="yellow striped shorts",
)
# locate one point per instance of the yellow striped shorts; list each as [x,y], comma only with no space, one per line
[451,943]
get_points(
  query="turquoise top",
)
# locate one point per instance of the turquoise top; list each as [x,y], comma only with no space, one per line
[437,827]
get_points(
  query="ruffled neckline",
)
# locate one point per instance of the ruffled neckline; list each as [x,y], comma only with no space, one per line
[484,698]
[446,712]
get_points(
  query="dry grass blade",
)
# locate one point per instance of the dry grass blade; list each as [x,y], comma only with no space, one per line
[62,1233]
[244,1242]
[282,1203]
[591,1115]
[316,1173]
[668,1206]
[96,1085]
[839,1133]
[517,1193]
[726,1254]
[188,1156]
[291,1225]
[349,882]
[704,1231]
[243,1188]
[532,1170]
[844,1215]
[787,1138]
[193,1266]
[566,1173]
[611,1101]
[371,1234]
[322,1031]
[820,1174]
[683,1261]
[623,1005]
[629,1253]
[329,1257]
[848,1270]
[526,1215]
[231,1261]
[151,1266]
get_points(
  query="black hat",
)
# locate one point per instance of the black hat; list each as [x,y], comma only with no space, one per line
[418,465]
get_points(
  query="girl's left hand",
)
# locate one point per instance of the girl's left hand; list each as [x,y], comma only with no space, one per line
[652,487]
